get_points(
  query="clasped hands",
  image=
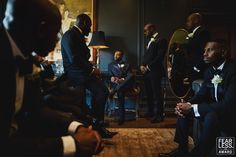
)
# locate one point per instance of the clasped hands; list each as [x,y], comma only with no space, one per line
[183,108]
[117,80]
[89,142]
[143,69]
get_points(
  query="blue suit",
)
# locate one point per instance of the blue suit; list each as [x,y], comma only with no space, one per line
[121,70]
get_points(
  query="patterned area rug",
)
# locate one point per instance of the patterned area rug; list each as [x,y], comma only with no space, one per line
[139,142]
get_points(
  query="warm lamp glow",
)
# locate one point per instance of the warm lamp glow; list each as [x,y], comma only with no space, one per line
[98,42]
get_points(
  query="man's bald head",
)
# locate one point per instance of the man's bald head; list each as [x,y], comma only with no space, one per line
[84,22]
[149,29]
[33,24]
[194,20]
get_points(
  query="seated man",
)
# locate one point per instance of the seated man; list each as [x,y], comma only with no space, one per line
[78,68]
[213,105]
[27,127]
[121,81]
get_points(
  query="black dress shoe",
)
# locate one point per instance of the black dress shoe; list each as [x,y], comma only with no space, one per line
[157,119]
[106,133]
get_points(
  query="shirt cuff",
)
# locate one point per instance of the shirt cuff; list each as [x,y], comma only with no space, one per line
[195,110]
[69,146]
[73,127]
[196,69]
[148,68]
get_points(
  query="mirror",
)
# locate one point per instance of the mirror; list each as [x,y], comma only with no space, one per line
[177,65]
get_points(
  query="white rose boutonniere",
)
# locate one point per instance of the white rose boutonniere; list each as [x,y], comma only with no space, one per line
[122,65]
[217,79]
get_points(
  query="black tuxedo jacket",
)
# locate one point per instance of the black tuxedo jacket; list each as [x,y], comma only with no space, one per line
[23,144]
[226,93]
[196,47]
[75,55]
[116,71]
[154,56]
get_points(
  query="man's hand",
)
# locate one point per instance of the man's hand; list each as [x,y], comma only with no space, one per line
[114,79]
[89,142]
[183,108]
[143,69]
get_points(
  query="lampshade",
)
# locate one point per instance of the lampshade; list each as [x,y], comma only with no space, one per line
[98,40]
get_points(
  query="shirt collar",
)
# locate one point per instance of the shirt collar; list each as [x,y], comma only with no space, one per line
[78,29]
[195,29]
[154,35]
[220,67]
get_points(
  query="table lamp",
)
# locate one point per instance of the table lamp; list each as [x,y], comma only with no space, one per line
[98,42]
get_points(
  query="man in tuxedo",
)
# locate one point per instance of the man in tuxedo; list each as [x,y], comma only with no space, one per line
[78,68]
[27,127]
[197,39]
[153,70]
[213,105]
[122,80]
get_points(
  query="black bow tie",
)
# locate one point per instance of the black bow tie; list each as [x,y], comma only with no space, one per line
[216,71]
[25,65]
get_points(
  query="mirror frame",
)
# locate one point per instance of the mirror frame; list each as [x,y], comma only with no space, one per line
[182,40]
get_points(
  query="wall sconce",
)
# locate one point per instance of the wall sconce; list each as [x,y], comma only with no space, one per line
[98,42]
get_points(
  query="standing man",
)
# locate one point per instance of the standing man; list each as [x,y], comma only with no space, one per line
[153,70]
[27,127]
[76,54]
[197,37]
[214,105]
[122,80]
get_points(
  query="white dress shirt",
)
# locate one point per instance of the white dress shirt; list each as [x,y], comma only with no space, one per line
[152,39]
[195,106]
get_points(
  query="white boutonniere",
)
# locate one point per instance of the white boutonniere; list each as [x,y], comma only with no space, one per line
[190,35]
[122,65]
[217,79]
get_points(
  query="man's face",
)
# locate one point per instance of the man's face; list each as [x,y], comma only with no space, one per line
[48,39]
[38,35]
[118,56]
[190,23]
[213,52]
[87,27]
[147,31]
